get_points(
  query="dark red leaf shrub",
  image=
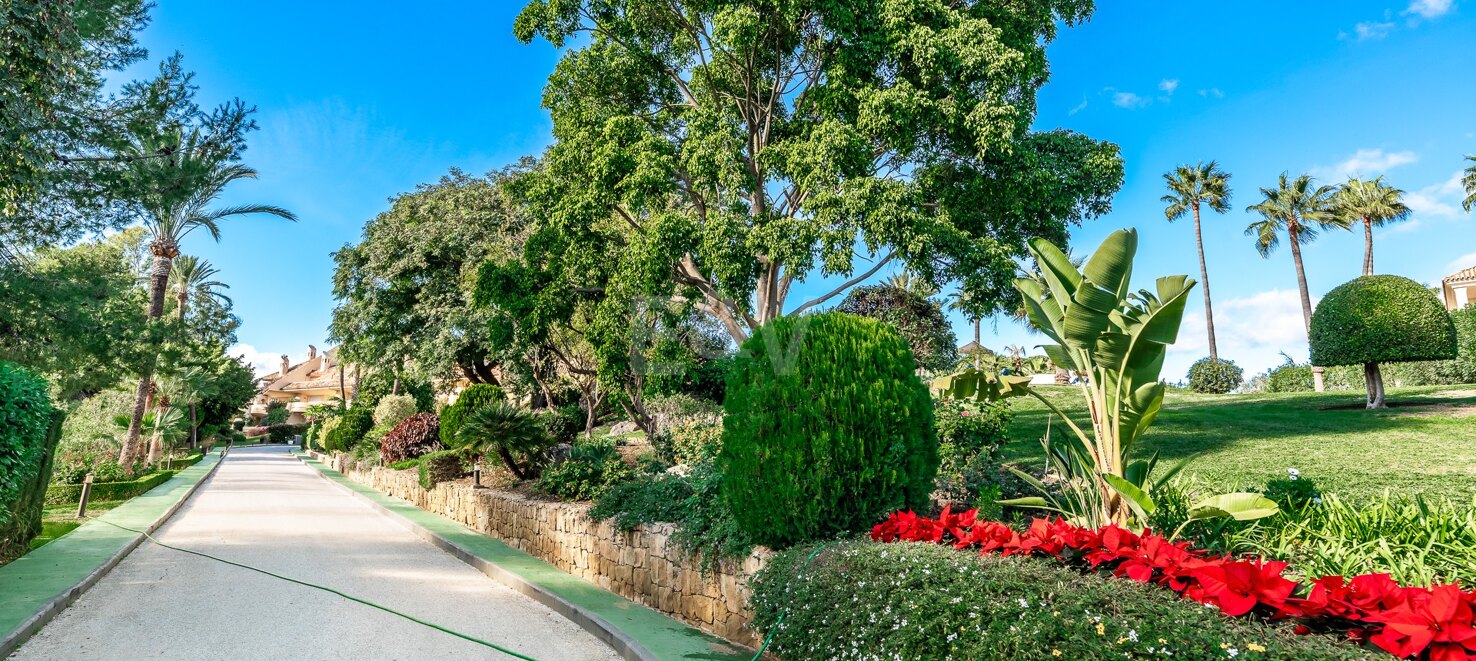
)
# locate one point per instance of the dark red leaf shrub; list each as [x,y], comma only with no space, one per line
[417,435]
[1434,623]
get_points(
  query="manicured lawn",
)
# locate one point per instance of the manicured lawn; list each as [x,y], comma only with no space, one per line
[1426,444]
[58,521]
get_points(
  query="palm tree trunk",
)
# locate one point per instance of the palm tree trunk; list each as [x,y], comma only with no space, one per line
[1367,246]
[1296,249]
[978,348]
[158,282]
[1204,277]
[194,429]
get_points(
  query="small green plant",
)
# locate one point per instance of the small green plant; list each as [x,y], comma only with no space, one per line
[692,441]
[970,435]
[705,527]
[593,467]
[563,423]
[1293,492]
[442,466]
[827,429]
[1216,377]
[510,432]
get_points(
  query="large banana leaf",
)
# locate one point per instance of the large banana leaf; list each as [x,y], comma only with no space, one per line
[1059,273]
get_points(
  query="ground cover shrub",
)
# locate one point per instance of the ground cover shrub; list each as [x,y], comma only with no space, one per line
[921,601]
[970,436]
[1403,620]
[26,443]
[284,433]
[593,467]
[416,435]
[692,441]
[826,428]
[470,399]
[705,527]
[1208,375]
[442,466]
[393,409]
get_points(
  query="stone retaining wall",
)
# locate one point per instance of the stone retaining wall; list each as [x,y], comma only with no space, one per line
[642,565]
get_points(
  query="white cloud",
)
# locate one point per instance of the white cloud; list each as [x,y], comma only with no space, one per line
[1250,330]
[1364,163]
[1168,85]
[1463,262]
[1371,30]
[1439,200]
[264,362]
[1128,100]
[1213,91]
[1079,107]
[1430,8]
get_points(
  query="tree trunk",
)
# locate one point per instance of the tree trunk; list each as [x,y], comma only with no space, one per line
[511,463]
[194,429]
[1367,246]
[156,440]
[158,282]
[978,348]
[1296,249]
[1209,313]
[1374,379]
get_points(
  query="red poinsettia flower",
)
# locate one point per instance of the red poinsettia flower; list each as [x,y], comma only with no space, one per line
[1237,586]
[1438,620]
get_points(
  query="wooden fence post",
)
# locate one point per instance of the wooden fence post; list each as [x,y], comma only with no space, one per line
[86,492]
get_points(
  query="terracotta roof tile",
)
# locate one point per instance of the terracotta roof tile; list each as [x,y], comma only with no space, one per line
[1463,274]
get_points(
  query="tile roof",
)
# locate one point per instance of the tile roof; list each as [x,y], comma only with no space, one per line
[1463,274]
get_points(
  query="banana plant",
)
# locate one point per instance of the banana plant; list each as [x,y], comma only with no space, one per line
[1117,339]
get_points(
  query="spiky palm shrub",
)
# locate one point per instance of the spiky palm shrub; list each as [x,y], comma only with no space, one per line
[828,428]
[512,433]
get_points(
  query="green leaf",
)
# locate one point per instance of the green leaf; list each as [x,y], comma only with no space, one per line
[1239,506]
[1137,499]
[1060,274]
[1112,264]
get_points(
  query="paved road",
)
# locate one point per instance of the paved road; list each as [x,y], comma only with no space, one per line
[264,508]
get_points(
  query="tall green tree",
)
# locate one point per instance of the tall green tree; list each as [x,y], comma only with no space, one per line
[1468,181]
[1299,208]
[174,212]
[404,290]
[959,301]
[917,319]
[1190,188]
[718,153]
[1371,203]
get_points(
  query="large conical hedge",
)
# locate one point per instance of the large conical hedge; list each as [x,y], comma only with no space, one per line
[827,430]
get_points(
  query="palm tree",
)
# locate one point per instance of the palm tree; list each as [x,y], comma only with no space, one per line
[179,207]
[1372,203]
[191,276]
[1299,207]
[1191,187]
[911,283]
[1469,182]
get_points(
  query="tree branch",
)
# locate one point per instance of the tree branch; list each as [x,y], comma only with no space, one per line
[846,285]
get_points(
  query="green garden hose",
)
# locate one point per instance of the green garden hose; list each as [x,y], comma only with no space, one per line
[349,597]
[775,629]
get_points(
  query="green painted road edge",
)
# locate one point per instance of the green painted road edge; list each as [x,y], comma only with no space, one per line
[634,631]
[40,584]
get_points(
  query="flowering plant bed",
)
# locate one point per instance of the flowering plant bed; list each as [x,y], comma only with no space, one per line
[1426,623]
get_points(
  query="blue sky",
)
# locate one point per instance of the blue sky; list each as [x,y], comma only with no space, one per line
[360,101]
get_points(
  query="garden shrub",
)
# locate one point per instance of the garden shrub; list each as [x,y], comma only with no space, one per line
[26,441]
[705,527]
[509,431]
[1378,319]
[970,436]
[1216,377]
[925,601]
[284,433]
[693,441]
[416,435]
[276,414]
[257,431]
[827,429]
[442,466]
[238,424]
[352,425]
[592,468]
[563,423]
[393,409]
[470,399]
[112,489]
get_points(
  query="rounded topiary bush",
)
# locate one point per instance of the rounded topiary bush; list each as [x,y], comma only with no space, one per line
[1217,377]
[393,409]
[1380,319]
[352,425]
[415,436]
[470,399]
[827,429]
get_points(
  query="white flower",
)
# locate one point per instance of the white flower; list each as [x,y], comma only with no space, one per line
[1292,473]
[1233,652]
[1133,635]
[1317,500]
[1024,604]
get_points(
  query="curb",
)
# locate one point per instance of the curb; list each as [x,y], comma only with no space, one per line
[623,644]
[54,606]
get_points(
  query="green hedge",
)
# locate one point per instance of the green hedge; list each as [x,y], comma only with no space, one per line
[827,430]
[69,494]
[1380,318]
[925,601]
[28,435]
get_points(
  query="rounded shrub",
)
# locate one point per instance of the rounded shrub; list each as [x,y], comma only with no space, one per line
[1380,319]
[1216,377]
[393,409]
[827,429]
[473,397]
[970,436]
[351,427]
[416,435]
